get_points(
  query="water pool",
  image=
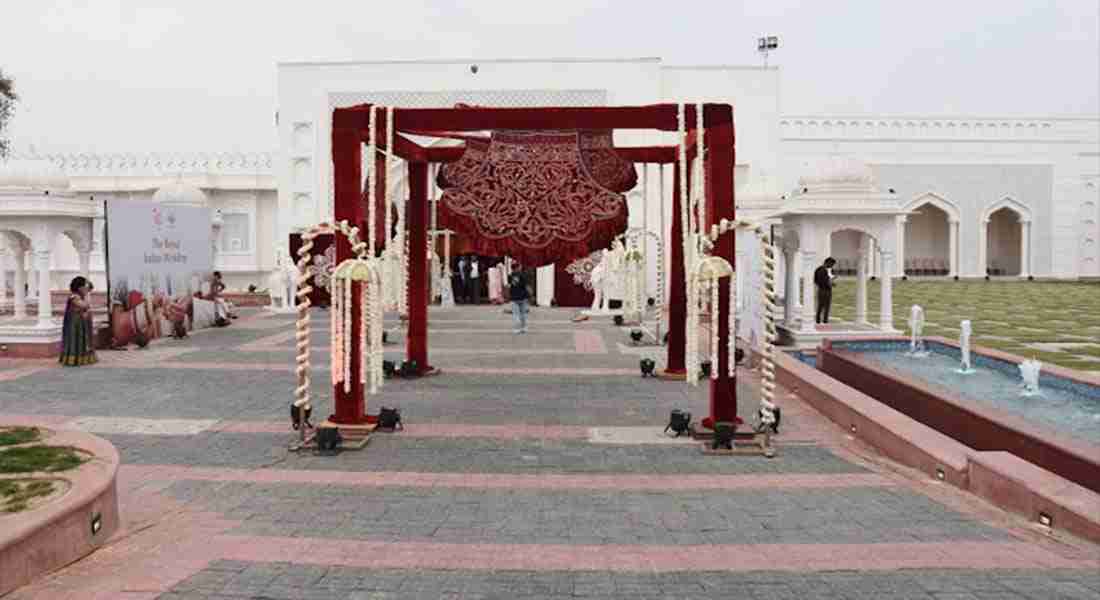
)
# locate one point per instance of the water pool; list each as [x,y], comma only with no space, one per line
[1065,405]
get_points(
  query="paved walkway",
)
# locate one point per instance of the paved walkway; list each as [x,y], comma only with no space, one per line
[531,468]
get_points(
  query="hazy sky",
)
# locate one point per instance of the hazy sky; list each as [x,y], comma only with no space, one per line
[122,75]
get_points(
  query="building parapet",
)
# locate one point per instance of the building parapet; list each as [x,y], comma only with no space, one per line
[161,164]
[868,127]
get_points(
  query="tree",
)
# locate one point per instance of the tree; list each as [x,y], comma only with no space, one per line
[7,109]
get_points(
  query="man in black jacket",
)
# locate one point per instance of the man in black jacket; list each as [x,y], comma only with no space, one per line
[823,280]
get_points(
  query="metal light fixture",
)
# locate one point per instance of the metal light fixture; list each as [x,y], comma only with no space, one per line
[636,335]
[328,440]
[389,418]
[723,435]
[647,366]
[704,368]
[389,369]
[679,422]
[409,368]
[618,320]
[738,356]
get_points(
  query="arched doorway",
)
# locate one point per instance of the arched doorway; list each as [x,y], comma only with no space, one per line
[1006,239]
[928,242]
[1002,244]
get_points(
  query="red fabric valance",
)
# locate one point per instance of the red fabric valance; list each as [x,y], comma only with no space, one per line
[539,197]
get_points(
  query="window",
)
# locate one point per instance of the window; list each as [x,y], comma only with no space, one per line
[235,233]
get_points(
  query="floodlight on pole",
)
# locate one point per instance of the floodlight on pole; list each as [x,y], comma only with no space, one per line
[766,44]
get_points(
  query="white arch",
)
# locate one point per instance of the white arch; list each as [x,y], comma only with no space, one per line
[1021,210]
[940,202]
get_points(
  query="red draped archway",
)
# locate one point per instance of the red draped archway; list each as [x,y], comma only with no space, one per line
[350,131]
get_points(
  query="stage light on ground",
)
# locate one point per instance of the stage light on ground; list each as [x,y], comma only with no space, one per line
[636,335]
[738,356]
[704,368]
[618,320]
[388,368]
[940,474]
[723,435]
[389,418]
[679,422]
[409,368]
[647,366]
[328,439]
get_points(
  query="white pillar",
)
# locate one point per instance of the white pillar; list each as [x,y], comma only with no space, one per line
[875,261]
[85,257]
[983,259]
[900,270]
[4,254]
[790,284]
[953,248]
[796,266]
[20,309]
[861,280]
[808,304]
[886,302]
[45,308]
[1025,245]
[32,274]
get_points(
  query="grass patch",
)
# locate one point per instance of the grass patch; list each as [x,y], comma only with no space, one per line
[10,436]
[30,459]
[16,494]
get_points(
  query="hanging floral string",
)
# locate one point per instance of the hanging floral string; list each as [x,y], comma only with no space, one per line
[372,190]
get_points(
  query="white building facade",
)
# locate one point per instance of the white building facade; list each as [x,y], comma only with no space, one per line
[1012,197]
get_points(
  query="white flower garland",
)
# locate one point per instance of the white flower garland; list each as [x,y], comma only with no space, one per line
[389,171]
[372,197]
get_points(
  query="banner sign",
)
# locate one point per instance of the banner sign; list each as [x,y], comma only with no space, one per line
[158,257]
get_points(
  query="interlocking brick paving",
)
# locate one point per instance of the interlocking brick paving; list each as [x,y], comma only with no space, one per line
[226,579]
[496,489]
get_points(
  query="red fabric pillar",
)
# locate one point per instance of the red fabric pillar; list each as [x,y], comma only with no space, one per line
[346,154]
[416,211]
[380,182]
[677,297]
[720,205]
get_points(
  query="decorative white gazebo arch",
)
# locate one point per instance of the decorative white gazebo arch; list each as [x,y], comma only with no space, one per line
[1023,214]
[36,207]
[840,196]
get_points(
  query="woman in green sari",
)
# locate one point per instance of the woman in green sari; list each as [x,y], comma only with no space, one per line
[77,345]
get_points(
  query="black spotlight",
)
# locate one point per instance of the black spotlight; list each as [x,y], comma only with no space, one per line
[774,426]
[389,419]
[704,368]
[389,369]
[328,440]
[987,277]
[723,435]
[647,366]
[618,320]
[1031,278]
[738,356]
[905,278]
[956,278]
[636,335]
[679,422]
[409,368]
[297,419]
[651,302]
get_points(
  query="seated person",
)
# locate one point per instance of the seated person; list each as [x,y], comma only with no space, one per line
[223,307]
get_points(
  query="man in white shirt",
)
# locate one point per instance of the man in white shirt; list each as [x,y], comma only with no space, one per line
[475,281]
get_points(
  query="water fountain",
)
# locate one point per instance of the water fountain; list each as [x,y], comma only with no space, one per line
[916,330]
[964,349]
[1029,370]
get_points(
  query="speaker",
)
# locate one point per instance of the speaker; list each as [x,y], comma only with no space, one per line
[328,440]
[389,418]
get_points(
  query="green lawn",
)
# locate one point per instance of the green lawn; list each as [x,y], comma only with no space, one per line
[1011,316]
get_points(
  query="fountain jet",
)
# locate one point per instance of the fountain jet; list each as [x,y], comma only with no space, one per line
[1029,371]
[916,332]
[964,348]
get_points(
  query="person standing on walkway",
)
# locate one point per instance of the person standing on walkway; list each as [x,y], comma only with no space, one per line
[463,281]
[475,281]
[823,280]
[77,341]
[520,296]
